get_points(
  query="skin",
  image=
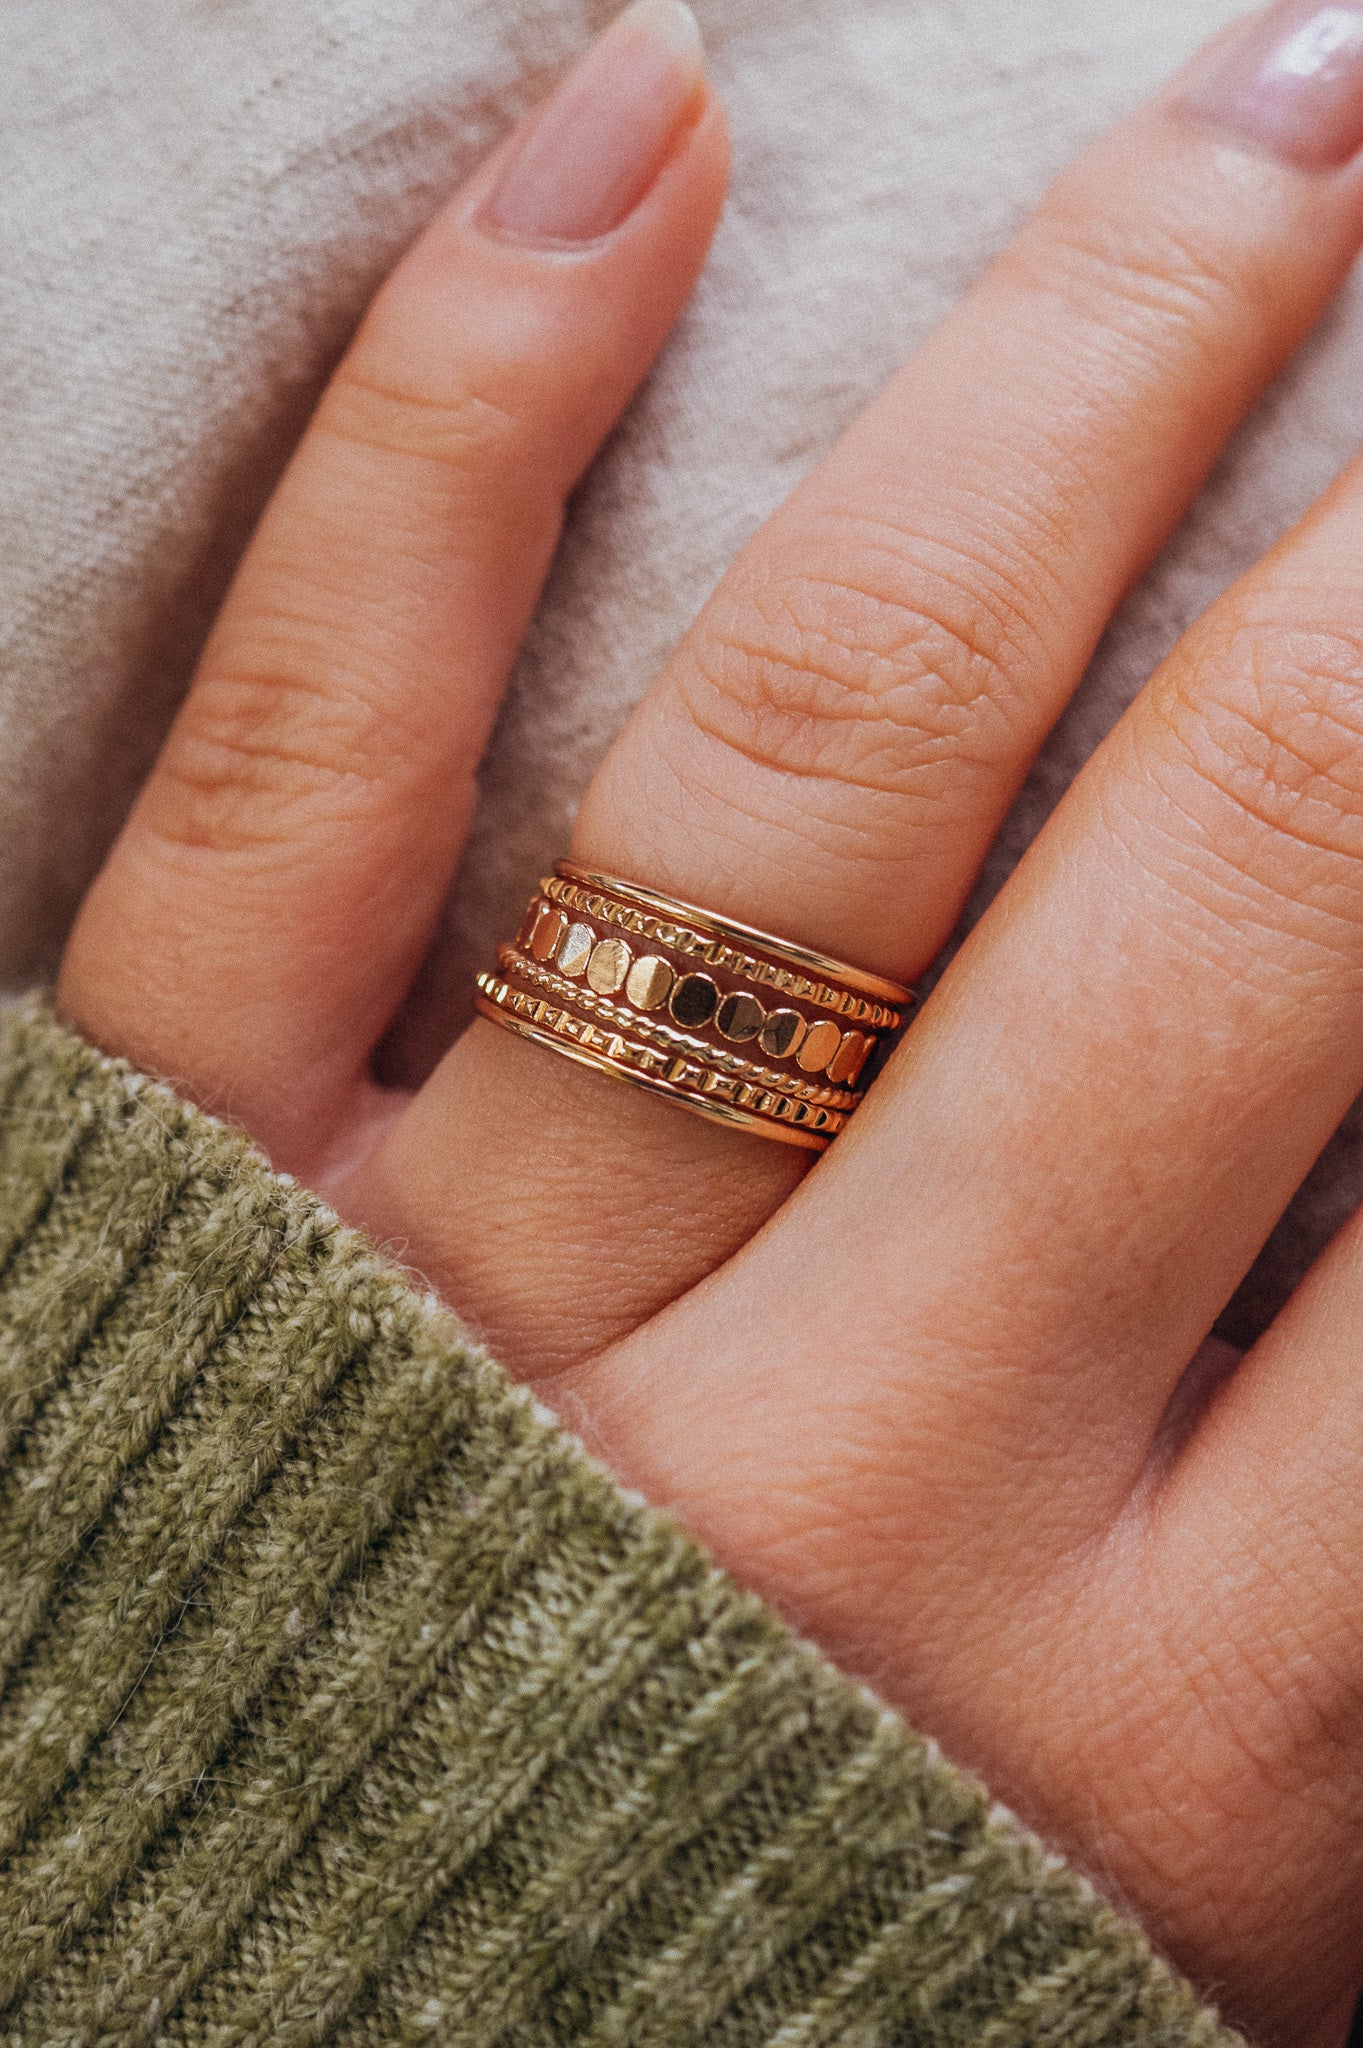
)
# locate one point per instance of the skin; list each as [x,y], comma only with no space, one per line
[935,1397]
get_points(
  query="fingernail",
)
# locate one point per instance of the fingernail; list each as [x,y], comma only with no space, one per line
[1290,84]
[596,145]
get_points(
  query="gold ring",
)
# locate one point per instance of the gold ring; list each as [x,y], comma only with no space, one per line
[719,1017]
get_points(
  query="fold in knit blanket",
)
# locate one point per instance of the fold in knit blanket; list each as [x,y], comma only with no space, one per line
[199,199]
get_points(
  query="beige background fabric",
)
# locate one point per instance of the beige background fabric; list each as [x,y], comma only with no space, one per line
[198,195]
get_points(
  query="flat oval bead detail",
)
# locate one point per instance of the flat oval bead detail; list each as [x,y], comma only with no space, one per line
[694,1001]
[846,1062]
[576,949]
[608,966]
[650,983]
[782,1033]
[740,1017]
[820,1043]
[550,926]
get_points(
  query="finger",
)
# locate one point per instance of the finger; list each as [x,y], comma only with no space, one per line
[839,736]
[1073,1159]
[1056,1185]
[263,912]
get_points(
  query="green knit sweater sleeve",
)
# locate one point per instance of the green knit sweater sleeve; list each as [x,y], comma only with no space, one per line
[342,1699]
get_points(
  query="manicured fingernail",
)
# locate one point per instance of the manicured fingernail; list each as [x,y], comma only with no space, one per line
[597,144]
[1290,84]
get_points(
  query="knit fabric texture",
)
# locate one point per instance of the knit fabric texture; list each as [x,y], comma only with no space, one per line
[343,1699]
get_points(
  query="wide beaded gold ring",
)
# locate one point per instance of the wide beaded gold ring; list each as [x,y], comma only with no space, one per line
[725,1020]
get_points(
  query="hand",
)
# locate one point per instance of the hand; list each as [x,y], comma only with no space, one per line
[938,1402]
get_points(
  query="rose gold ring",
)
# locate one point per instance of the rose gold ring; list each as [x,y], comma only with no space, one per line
[716,1016]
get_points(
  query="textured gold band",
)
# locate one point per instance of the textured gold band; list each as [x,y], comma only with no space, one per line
[717,1016]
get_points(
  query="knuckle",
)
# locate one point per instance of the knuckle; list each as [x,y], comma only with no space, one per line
[885,679]
[262,758]
[1270,716]
[1275,1705]
[1242,1720]
[464,430]
[1144,282]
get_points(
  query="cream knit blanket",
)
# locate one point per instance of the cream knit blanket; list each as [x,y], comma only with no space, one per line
[197,196]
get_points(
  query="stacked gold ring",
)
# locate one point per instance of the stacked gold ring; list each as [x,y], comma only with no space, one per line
[717,1016]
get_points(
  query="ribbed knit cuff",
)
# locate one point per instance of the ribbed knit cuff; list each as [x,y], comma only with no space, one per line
[342,1699]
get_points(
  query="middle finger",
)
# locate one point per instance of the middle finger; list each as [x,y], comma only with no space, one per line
[835,743]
